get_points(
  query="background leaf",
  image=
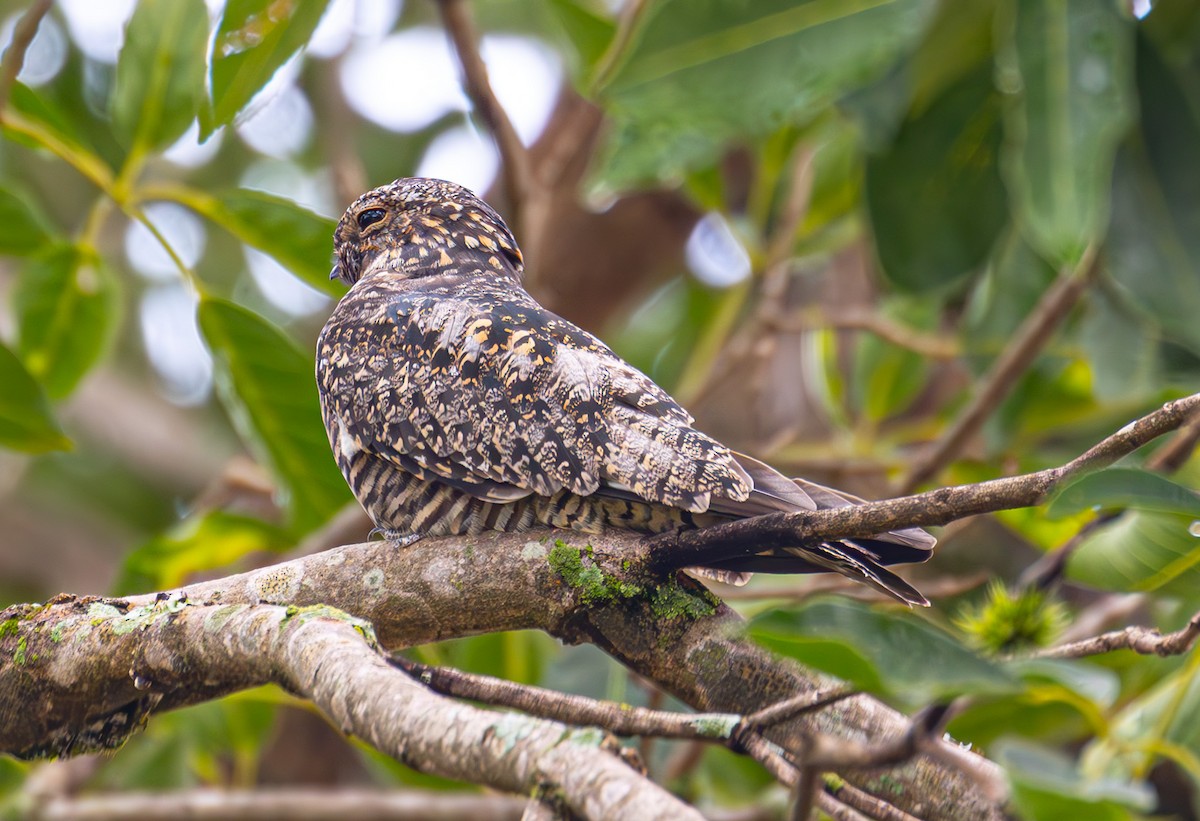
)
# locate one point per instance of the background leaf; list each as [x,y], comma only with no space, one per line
[68,311]
[935,197]
[298,239]
[899,653]
[160,76]
[268,386]
[704,72]
[1072,64]
[22,229]
[1124,488]
[254,39]
[26,422]
[1141,551]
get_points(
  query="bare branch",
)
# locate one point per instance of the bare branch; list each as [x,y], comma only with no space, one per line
[1145,640]
[929,345]
[1030,339]
[936,507]
[14,55]
[515,158]
[269,805]
[171,653]
[668,629]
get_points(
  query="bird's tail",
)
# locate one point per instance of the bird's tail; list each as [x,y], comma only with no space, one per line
[865,560]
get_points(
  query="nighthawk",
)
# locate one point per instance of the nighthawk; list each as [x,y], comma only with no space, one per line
[455,404]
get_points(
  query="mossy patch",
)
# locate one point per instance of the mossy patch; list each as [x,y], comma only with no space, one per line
[9,627]
[22,648]
[56,633]
[672,601]
[593,584]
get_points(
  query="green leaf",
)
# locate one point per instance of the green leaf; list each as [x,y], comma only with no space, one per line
[700,74]
[1141,551]
[68,311]
[935,197]
[254,39]
[1046,787]
[1070,65]
[1121,348]
[23,230]
[879,650]
[26,422]
[1003,297]
[589,30]
[160,73]
[297,238]
[1124,488]
[267,384]
[214,541]
[1153,249]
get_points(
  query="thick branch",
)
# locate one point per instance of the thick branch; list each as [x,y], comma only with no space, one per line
[937,507]
[580,589]
[105,666]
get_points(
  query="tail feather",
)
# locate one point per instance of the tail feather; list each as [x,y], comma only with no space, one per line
[861,559]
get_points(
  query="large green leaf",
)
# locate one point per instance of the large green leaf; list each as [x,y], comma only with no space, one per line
[254,39]
[1124,488]
[1141,551]
[267,384]
[1070,64]
[699,74]
[160,74]
[1154,238]
[935,197]
[297,238]
[26,422]
[879,650]
[23,230]
[68,311]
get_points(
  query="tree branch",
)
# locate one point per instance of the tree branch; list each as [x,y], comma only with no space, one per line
[273,804]
[1145,640]
[573,586]
[518,179]
[105,665]
[937,507]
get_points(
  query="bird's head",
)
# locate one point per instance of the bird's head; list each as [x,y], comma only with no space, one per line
[422,227]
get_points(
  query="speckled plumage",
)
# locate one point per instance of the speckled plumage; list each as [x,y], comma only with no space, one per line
[455,403]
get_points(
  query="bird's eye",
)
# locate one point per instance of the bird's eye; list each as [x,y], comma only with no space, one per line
[370,217]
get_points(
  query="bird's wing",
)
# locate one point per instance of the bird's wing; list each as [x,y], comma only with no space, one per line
[501,398]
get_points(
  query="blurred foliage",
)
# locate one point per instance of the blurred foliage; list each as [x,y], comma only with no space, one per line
[968,152]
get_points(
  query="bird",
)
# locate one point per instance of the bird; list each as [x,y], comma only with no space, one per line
[456,404]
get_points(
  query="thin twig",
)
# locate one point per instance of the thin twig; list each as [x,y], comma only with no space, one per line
[1030,339]
[1144,640]
[619,719]
[937,507]
[460,26]
[14,56]
[871,806]
[864,319]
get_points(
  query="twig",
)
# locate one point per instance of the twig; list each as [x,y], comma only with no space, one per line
[1147,641]
[1030,339]
[619,719]
[14,55]
[822,753]
[871,806]
[864,319]
[937,507]
[460,26]
[627,23]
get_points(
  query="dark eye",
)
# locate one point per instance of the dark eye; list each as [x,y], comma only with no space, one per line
[370,217]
